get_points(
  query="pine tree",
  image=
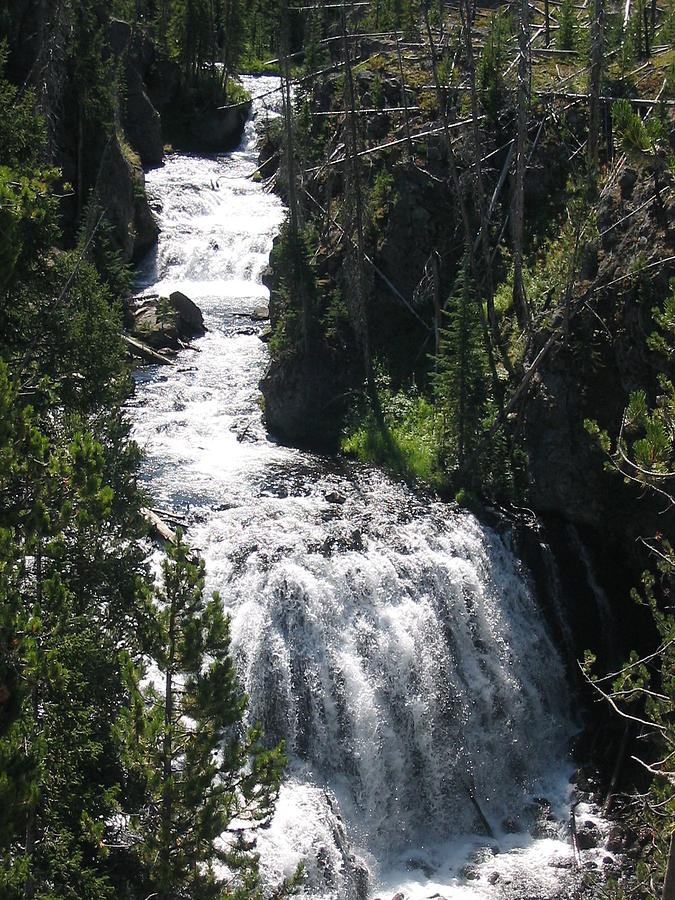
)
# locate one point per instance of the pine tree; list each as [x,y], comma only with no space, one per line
[461,377]
[205,773]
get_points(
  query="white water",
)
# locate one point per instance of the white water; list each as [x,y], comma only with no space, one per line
[391,639]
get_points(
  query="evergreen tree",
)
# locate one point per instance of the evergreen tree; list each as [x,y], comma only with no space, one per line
[461,377]
[204,773]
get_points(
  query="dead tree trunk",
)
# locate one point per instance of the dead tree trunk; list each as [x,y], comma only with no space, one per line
[466,222]
[353,192]
[466,15]
[517,222]
[438,312]
[404,98]
[31,821]
[547,23]
[596,73]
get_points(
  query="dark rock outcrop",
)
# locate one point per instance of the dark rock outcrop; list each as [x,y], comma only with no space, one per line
[191,125]
[592,374]
[122,196]
[140,119]
[165,323]
[304,402]
[190,318]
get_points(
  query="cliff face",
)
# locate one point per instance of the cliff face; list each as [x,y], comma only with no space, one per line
[107,117]
[306,393]
[410,213]
[606,357]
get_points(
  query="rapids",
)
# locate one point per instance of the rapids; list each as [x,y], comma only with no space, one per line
[392,640]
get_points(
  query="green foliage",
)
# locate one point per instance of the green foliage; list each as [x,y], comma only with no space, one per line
[203,775]
[641,141]
[568,33]
[292,260]
[381,201]
[27,205]
[667,29]
[644,455]
[77,760]
[461,376]
[404,438]
[491,64]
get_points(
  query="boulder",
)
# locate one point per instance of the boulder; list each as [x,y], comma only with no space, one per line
[305,400]
[154,327]
[212,130]
[469,872]
[163,323]
[190,319]
[627,181]
[588,836]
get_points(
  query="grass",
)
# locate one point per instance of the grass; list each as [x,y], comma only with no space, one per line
[404,439]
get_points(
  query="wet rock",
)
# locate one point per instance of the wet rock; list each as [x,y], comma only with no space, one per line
[305,401]
[164,323]
[615,839]
[588,836]
[561,862]
[419,864]
[493,877]
[335,497]
[260,313]
[511,826]
[469,872]
[191,320]
[399,896]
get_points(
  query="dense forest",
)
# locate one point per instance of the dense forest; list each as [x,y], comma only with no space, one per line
[472,289]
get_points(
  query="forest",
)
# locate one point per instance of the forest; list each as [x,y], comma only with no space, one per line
[473,290]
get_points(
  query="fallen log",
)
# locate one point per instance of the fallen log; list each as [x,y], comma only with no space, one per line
[158,526]
[145,352]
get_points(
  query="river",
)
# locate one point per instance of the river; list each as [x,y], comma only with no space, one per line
[392,640]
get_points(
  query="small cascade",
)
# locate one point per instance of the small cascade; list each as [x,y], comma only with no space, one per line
[606,618]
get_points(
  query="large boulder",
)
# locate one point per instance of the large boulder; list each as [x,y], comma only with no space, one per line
[305,400]
[217,129]
[164,323]
[156,323]
[190,318]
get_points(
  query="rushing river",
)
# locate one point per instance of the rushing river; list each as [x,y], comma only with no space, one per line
[390,639]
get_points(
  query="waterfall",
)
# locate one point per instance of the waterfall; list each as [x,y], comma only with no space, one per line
[390,639]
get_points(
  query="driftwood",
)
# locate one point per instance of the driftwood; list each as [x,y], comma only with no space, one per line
[145,352]
[158,526]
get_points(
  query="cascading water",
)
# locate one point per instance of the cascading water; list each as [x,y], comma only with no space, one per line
[390,639]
